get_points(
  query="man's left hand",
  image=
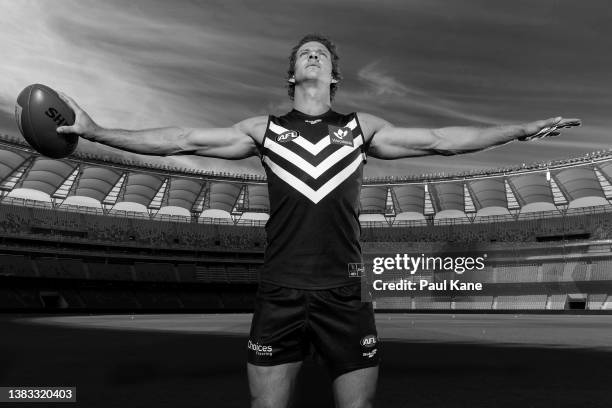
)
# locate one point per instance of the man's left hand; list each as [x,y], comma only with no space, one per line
[547,128]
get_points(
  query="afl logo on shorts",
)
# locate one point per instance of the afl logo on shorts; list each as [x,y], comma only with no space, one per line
[369,341]
[287,136]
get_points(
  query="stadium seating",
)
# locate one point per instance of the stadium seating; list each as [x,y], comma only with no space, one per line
[596,301]
[601,270]
[556,302]
[521,302]
[472,303]
[520,273]
[100,257]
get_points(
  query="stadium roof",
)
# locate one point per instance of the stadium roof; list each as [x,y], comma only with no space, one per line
[111,185]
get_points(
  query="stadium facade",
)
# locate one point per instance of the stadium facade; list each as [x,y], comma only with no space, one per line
[105,234]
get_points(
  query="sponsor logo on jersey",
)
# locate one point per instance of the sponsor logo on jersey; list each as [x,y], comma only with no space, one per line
[312,122]
[341,135]
[369,341]
[260,349]
[287,136]
[369,354]
[356,270]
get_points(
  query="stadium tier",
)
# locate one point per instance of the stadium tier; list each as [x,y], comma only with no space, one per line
[546,230]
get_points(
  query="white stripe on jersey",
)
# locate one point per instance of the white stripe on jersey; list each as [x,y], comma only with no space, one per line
[313,171]
[314,195]
[311,148]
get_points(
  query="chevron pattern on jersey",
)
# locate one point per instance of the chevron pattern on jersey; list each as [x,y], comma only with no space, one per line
[313,169]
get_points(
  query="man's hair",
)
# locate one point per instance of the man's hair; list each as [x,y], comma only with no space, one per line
[331,47]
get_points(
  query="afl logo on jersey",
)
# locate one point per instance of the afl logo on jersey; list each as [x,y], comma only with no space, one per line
[369,341]
[287,136]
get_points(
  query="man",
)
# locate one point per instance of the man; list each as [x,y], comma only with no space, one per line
[313,159]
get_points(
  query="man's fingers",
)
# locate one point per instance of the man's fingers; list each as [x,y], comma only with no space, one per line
[73,105]
[67,130]
[542,131]
[567,123]
[549,127]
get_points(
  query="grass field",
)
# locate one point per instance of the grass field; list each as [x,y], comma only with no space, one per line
[429,360]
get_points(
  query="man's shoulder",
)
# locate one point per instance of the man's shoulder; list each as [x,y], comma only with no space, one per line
[370,124]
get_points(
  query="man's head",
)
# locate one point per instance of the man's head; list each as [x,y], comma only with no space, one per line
[314,47]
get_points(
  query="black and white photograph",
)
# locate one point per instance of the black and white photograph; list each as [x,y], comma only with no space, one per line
[285,204]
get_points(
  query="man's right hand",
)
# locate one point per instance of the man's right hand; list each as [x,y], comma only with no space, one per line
[83,126]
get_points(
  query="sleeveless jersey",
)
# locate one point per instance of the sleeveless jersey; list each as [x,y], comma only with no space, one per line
[314,167]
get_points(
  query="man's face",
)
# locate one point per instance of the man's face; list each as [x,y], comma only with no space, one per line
[313,61]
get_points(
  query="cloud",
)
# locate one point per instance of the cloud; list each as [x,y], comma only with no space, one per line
[421,63]
[383,88]
[382,84]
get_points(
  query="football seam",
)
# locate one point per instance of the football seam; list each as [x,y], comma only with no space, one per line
[35,145]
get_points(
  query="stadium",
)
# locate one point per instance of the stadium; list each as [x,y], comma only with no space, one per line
[93,246]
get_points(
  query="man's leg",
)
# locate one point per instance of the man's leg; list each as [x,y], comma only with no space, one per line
[272,386]
[356,389]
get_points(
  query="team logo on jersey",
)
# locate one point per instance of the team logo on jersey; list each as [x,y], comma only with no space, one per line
[369,341]
[340,135]
[312,122]
[287,136]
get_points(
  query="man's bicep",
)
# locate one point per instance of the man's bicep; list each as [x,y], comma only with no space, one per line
[392,142]
[235,142]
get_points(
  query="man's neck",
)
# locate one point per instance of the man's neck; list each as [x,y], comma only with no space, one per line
[311,100]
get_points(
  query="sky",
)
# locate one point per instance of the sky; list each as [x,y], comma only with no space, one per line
[415,63]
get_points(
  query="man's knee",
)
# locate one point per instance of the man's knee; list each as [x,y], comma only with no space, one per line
[356,389]
[272,386]
[359,402]
[266,402]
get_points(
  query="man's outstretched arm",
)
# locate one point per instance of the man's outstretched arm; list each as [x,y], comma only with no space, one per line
[235,142]
[391,142]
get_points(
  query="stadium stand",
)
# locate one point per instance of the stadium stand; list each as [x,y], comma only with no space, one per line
[10,300]
[16,265]
[472,303]
[107,271]
[547,228]
[432,302]
[520,302]
[394,303]
[552,272]
[556,302]
[154,272]
[601,270]
[596,301]
[522,273]
[150,299]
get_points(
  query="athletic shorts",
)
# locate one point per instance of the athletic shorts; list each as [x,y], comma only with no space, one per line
[340,327]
